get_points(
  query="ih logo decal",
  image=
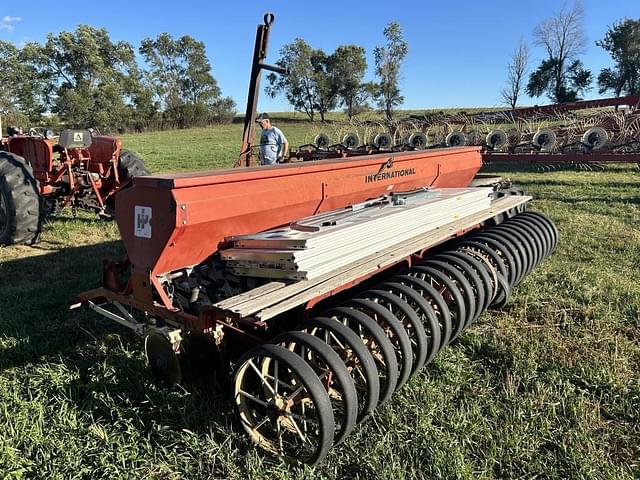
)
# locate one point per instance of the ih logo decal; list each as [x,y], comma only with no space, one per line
[142,219]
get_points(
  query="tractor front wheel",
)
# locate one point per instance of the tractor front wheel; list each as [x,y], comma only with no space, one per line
[20,221]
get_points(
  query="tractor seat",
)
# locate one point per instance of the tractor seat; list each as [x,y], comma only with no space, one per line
[75,139]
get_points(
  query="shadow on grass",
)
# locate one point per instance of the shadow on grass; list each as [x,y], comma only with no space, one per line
[107,375]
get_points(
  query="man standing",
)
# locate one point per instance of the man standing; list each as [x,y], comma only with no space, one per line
[273,144]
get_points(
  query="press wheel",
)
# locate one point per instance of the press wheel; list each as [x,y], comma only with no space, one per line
[282,404]
[333,375]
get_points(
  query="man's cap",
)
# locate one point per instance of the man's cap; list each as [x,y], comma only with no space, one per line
[262,116]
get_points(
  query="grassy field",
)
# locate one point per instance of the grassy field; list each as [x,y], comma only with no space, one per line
[548,387]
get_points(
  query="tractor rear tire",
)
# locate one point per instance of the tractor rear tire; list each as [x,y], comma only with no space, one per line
[130,166]
[20,202]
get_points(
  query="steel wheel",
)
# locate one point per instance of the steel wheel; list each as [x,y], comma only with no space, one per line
[496,260]
[508,249]
[485,261]
[500,251]
[354,355]
[464,269]
[333,375]
[504,293]
[394,331]
[481,271]
[533,233]
[282,404]
[460,280]
[437,302]
[549,224]
[535,247]
[376,340]
[451,294]
[542,228]
[425,313]
[527,254]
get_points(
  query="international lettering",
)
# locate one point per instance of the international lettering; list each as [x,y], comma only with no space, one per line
[378,177]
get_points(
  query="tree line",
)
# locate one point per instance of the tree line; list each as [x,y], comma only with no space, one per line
[561,74]
[317,82]
[86,79]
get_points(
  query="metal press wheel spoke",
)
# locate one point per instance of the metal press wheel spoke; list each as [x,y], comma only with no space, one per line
[425,313]
[356,358]
[485,261]
[451,294]
[410,323]
[437,302]
[374,338]
[251,397]
[294,419]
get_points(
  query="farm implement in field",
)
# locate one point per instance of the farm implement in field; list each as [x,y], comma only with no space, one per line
[552,136]
[396,268]
[40,174]
[317,288]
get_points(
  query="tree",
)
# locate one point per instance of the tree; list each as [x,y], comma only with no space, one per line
[325,81]
[89,78]
[348,66]
[388,60]
[22,90]
[307,85]
[516,71]
[622,42]
[561,74]
[180,76]
[9,67]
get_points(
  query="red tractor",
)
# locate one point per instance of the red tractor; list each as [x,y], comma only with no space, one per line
[39,175]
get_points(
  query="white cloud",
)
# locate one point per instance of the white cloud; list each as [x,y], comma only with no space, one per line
[7,23]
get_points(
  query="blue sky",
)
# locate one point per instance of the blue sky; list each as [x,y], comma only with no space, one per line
[457,50]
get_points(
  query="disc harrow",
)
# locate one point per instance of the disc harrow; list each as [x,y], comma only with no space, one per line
[373,342]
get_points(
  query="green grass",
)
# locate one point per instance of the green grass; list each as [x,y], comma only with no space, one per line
[548,387]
